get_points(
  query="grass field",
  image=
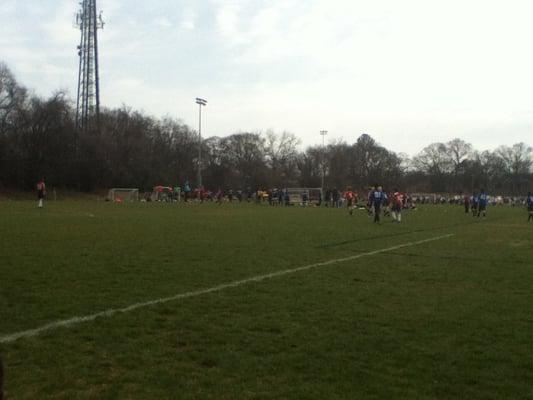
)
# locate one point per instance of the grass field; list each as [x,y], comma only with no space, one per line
[445,319]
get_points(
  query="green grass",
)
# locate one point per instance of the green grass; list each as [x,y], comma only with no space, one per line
[449,319]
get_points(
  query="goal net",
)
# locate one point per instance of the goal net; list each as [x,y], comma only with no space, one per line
[304,196]
[123,194]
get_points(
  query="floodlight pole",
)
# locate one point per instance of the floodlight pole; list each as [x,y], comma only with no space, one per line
[323,134]
[200,102]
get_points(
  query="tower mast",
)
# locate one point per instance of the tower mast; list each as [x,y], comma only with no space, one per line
[88,100]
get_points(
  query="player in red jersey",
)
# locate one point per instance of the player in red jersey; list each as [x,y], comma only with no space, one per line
[397,204]
[41,192]
[351,199]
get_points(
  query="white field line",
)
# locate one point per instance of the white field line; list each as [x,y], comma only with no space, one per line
[109,313]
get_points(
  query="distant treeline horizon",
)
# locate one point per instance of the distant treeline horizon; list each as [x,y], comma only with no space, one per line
[39,138]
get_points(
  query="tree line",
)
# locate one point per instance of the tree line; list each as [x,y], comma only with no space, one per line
[38,138]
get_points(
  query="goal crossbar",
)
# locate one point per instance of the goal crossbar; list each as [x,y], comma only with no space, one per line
[304,195]
[123,194]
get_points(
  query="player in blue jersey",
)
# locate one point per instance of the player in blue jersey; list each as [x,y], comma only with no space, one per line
[378,198]
[483,201]
[529,202]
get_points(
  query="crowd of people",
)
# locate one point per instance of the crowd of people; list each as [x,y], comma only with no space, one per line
[376,202]
[379,201]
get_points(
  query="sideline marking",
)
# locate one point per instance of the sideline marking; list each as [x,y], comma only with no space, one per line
[258,278]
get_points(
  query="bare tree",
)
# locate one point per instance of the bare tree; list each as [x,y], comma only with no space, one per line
[12,97]
[434,161]
[516,161]
[458,152]
[281,153]
[244,156]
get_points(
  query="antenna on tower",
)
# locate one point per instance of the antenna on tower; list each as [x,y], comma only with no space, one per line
[88,101]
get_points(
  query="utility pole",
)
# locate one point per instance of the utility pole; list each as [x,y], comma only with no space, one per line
[323,134]
[200,102]
[88,101]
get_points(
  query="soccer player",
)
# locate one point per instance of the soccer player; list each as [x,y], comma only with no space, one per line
[474,204]
[467,203]
[350,199]
[397,202]
[41,192]
[483,201]
[378,197]
[529,202]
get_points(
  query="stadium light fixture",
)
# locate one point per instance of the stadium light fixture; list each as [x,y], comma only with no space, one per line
[200,102]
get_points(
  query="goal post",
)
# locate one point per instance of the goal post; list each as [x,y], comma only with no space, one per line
[123,194]
[304,196]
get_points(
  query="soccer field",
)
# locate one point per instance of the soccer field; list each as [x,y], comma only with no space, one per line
[245,301]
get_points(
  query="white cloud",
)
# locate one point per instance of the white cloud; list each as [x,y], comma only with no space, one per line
[163,22]
[407,72]
[129,83]
[188,21]
[229,22]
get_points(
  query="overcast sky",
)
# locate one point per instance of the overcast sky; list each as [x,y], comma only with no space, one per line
[407,72]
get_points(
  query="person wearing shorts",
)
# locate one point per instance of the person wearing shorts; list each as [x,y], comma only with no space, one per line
[350,200]
[397,203]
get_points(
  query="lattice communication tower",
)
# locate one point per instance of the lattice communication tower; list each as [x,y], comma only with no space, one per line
[88,102]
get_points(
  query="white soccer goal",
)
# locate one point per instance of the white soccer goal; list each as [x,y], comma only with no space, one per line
[123,194]
[304,196]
